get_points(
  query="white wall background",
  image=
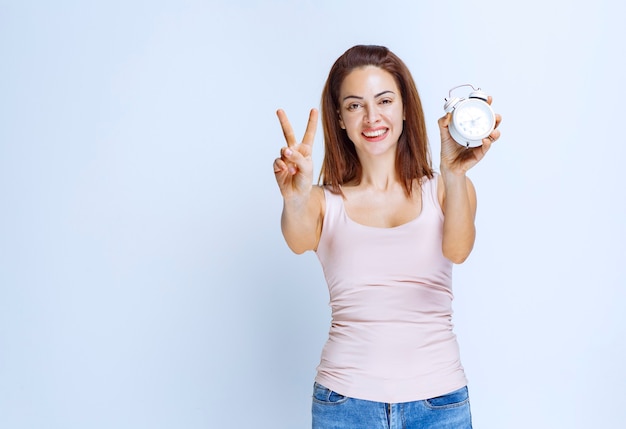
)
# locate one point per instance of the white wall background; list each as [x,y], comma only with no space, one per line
[144,282]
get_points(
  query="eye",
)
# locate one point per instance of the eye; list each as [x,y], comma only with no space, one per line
[386,101]
[353,106]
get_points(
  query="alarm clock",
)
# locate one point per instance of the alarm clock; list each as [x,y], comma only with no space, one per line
[472,117]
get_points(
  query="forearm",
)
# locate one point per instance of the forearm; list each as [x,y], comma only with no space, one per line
[459,231]
[301,222]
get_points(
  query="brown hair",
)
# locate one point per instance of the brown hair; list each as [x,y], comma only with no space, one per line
[341,163]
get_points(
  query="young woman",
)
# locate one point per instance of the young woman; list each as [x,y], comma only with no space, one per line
[387,230]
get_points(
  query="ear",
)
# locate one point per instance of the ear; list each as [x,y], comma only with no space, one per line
[341,124]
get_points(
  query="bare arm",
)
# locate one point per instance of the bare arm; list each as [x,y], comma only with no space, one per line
[457,195]
[303,203]
[301,221]
[459,207]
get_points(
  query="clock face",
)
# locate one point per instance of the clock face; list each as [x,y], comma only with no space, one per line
[473,119]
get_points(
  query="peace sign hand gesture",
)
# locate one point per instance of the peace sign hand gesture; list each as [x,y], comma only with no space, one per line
[294,168]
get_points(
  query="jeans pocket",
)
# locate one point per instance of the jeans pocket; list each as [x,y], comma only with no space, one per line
[323,395]
[454,399]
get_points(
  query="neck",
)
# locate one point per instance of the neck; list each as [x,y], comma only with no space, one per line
[379,176]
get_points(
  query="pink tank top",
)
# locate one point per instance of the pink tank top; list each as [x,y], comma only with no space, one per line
[391,337]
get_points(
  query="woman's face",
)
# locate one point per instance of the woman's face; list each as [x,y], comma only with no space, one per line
[371,110]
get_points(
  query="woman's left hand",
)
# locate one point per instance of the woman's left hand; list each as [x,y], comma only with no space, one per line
[456,158]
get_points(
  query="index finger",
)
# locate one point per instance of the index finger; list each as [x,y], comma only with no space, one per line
[286,126]
[311,127]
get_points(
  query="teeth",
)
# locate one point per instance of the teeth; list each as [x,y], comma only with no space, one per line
[376,133]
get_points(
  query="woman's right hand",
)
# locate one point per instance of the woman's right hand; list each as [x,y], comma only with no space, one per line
[294,168]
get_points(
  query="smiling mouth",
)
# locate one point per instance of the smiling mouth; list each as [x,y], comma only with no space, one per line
[375,133]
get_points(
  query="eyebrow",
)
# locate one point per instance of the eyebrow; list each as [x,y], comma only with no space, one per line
[361,98]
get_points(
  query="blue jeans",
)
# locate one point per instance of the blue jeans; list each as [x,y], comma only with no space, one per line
[334,411]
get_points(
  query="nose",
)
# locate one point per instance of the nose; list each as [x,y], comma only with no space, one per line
[372,115]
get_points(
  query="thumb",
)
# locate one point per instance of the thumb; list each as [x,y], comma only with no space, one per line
[293,158]
[444,121]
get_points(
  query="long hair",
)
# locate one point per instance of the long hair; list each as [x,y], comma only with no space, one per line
[341,164]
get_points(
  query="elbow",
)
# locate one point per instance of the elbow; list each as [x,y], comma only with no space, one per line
[457,259]
[457,247]
[298,245]
[457,255]
[298,250]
